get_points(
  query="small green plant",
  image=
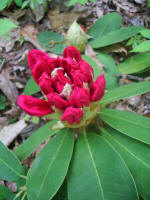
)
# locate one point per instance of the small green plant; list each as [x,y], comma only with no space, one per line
[6,25]
[2,102]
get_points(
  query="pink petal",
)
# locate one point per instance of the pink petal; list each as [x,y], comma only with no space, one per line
[45,84]
[35,56]
[73,53]
[97,88]
[80,97]
[40,68]
[56,100]
[72,115]
[34,106]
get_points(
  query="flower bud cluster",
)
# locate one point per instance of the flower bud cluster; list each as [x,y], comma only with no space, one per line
[68,86]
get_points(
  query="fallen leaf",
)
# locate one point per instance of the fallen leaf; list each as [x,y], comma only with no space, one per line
[29,32]
[9,133]
[7,87]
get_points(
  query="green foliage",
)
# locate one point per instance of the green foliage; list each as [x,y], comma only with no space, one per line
[93,63]
[145,33]
[52,41]
[144,46]
[31,87]
[2,102]
[11,169]
[97,168]
[5,193]
[105,25]
[6,25]
[135,155]
[126,91]
[72,2]
[4,4]
[111,70]
[131,124]
[37,137]
[115,36]
[52,162]
[148,3]
[135,64]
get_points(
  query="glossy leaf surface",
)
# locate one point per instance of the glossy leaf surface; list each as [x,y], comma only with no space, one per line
[31,87]
[98,172]
[95,66]
[111,70]
[10,167]
[126,91]
[105,25]
[128,123]
[37,137]
[50,167]
[115,36]
[144,46]
[136,155]
[135,64]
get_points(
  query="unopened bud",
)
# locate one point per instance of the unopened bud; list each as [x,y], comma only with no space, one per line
[77,37]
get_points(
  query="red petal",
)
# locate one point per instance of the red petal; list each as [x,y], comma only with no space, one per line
[45,84]
[73,53]
[80,97]
[72,115]
[56,100]
[35,56]
[34,106]
[39,69]
[97,88]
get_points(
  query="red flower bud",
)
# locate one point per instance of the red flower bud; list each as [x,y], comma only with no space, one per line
[34,106]
[68,85]
[72,115]
[80,97]
[97,88]
[73,53]
[56,100]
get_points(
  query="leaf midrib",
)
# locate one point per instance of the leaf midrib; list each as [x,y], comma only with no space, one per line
[51,165]
[94,165]
[123,119]
[10,168]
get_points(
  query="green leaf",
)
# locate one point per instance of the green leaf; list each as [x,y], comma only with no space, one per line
[6,25]
[110,71]
[115,36]
[136,155]
[128,123]
[98,172]
[19,2]
[105,25]
[50,167]
[145,33]
[52,41]
[144,46]
[94,65]
[31,87]
[37,137]
[5,193]
[72,2]
[10,167]
[4,4]
[126,91]
[135,64]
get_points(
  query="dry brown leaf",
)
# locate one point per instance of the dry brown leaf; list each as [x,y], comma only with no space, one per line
[29,32]
[7,87]
[9,133]
[62,20]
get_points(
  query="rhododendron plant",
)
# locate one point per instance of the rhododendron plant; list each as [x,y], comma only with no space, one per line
[68,86]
